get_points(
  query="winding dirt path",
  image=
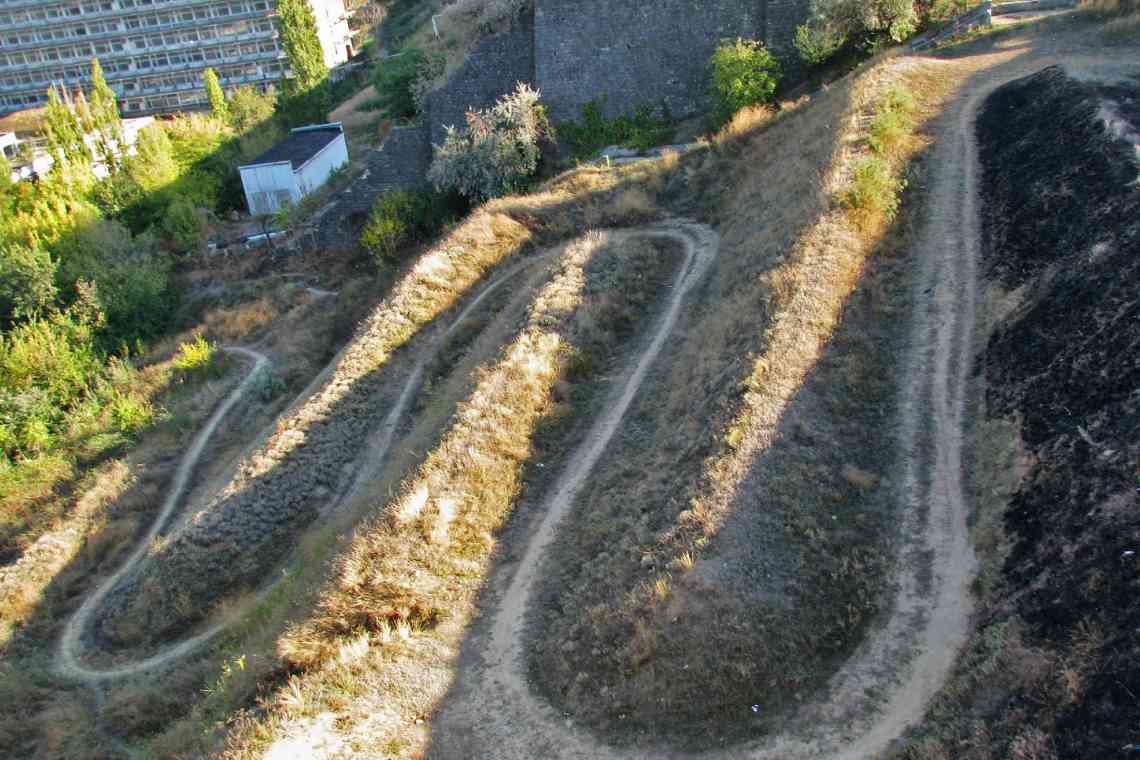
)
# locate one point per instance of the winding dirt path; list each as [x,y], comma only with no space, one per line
[495,713]
[70,654]
[69,662]
[498,715]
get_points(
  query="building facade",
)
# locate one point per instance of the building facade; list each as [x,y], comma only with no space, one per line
[153,52]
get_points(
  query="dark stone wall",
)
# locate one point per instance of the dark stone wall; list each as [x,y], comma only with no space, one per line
[490,71]
[654,51]
[781,17]
[634,52]
[401,163]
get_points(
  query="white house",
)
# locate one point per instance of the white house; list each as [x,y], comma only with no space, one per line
[293,168]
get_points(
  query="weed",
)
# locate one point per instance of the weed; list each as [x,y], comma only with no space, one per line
[195,356]
[874,190]
[645,127]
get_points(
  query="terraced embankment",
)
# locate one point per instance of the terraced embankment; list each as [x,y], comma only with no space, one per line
[303,467]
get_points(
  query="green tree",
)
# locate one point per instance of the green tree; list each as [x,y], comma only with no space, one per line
[153,166]
[27,287]
[107,127]
[396,80]
[250,109]
[302,45]
[216,95]
[62,131]
[744,74]
[866,24]
[498,151]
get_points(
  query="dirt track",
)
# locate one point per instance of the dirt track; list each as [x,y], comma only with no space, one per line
[69,659]
[502,718]
[908,657]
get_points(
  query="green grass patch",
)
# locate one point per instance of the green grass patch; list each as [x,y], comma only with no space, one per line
[645,127]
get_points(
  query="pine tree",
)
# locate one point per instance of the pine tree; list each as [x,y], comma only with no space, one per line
[106,126]
[302,45]
[216,95]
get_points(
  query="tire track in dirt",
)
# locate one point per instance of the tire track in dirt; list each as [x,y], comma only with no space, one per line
[69,657]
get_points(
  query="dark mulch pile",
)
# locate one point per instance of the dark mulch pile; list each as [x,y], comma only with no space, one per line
[1062,221]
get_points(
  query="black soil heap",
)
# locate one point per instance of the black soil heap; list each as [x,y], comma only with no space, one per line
[1062,221]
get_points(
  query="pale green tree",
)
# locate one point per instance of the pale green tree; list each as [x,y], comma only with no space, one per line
[62,130]
[108,125]
[299,37]
[216,96]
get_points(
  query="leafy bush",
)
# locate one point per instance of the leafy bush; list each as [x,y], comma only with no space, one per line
[893,121]
[195,355]
[395,81]
[128,278]
[744,74]
[396,219]
[645,127]
[865,24]
[874,188]
[498,151]
[27,289]
[268,384]
[943,10]
[183,225]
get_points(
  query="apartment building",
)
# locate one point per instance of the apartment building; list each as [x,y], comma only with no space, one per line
[153,52]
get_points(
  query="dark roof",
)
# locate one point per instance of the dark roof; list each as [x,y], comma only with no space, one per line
[299,146]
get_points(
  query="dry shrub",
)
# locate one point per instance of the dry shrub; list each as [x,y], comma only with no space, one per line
[230,325]
[744,123]
[632,206]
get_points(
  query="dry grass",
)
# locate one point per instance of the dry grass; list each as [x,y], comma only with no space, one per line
[405,587]
[684,640]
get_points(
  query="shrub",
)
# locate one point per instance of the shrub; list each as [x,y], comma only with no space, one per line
[395,80]
[645,127]
[195,355]
[268,384]
[397,218]
[866,24]
[874,189]
[27,289]
[893,121]
[183,225]
[498,151]
[744,74]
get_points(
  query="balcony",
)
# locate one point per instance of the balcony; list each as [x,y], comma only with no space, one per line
[127,34]
[15,5]
[135,73]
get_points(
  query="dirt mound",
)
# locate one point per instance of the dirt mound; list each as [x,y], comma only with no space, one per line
[1062,230]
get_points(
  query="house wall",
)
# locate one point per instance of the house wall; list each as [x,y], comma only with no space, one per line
[317,170]
[276,181]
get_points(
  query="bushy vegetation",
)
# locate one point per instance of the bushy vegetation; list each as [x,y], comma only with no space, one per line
[867,25]
[499,150]
[85,273]
[875,188]
[744,74]
[406,216]
[645,127]
[397,81]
